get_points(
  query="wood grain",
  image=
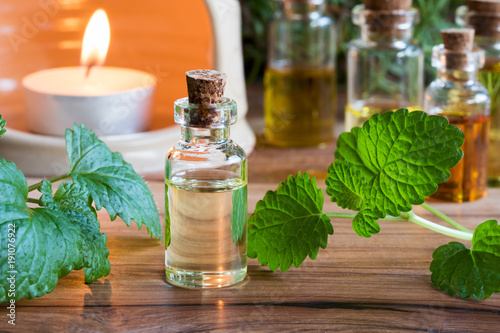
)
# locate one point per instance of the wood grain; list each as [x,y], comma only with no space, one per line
[376,284]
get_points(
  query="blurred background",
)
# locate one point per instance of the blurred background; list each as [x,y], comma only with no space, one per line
[434,16]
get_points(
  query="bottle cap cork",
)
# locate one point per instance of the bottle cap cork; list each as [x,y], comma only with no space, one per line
[458,40]
[484,6]
[387,5]
[458,44]
[205,86]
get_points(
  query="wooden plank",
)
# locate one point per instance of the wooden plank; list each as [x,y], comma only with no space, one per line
[356,284]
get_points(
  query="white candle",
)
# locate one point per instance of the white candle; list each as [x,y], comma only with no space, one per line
[109,100]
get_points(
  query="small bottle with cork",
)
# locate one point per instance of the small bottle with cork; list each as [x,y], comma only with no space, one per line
[459,96]
[484,17]
[206,190]
[385,65]
[300,82]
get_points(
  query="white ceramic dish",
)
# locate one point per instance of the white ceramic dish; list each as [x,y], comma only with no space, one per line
[45,156]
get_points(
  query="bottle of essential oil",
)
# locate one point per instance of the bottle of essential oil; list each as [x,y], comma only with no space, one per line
[460,97]
[484,17]
[206,190]
[385,65]
[300,99]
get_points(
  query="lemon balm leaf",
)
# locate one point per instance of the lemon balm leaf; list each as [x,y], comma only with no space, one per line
[111,182]
[365,223]
[13,184]
[288,224]
[2,126]
[74,201]
[403,156]
[345,185]
[47,246]
[470,272]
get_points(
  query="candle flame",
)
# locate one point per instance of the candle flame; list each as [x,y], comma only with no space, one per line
[96,40]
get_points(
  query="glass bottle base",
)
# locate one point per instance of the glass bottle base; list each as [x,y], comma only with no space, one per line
[190,279]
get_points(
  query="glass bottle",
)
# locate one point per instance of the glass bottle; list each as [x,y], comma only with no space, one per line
[484,17]
[385,65]
[206,195]
[459,96]
[300,99]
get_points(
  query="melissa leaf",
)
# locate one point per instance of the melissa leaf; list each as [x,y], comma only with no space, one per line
[13,184]
[47,246]
[470,272]
[402,156]
[111,182]
[345,185]
[2,126]
[288,224]
[74,201]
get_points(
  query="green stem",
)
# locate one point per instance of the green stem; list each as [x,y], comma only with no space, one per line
[340,215]
[404,217]
[441,229]
[411,217]
[33,200]
[445,218]
[52,180]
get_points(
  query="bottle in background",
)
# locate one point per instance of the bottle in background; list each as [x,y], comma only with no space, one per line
[484,17]
[459,96]
[385,65]
[300,98]
[206,190]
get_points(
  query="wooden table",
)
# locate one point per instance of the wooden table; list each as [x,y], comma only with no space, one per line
[356,284]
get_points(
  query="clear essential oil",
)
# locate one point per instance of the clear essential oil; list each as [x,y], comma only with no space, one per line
[205,189]
[300,106]
[490,78]
[206,225]
[356,114]
[468,181]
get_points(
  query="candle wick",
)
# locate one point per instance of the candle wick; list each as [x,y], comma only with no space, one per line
[89,68]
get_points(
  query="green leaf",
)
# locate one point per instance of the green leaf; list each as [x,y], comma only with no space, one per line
[47,246]
[402,156]
[239,214]
[288,224]
[2,126]
[475,272]
[74,201]
[365,223]
[111,182]
[345,185]
[13,184]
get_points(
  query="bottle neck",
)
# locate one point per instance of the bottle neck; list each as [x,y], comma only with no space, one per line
[204,135]
[458,76]
[301,10]
[379,36]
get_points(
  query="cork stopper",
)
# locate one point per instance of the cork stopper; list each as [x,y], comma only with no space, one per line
[458,40]
[458,43]
[484,17]
[484,6]
[387,5]
[387,16]
[205,86]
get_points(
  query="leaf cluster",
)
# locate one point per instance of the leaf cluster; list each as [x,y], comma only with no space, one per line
[382,169]
[63,233]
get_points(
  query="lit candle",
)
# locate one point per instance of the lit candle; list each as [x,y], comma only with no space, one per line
[109,100]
